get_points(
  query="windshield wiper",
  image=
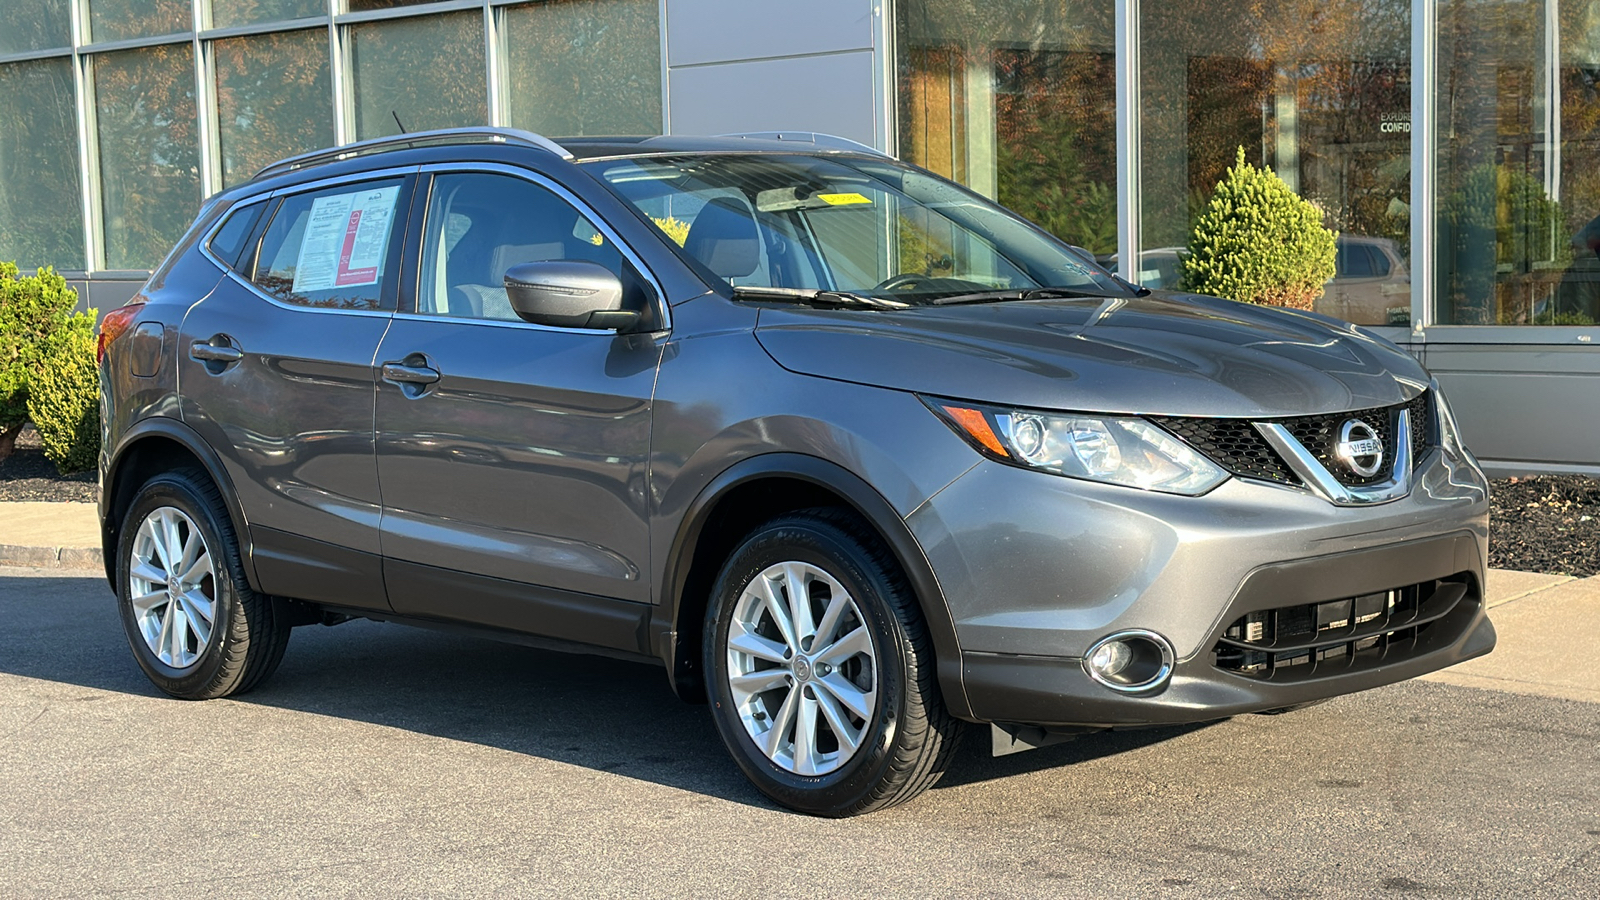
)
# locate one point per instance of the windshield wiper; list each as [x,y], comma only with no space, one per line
[1039,293]
[816,297]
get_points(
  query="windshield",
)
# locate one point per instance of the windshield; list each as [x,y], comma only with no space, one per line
[842,224]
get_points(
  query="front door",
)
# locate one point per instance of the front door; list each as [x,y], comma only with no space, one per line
[509,454]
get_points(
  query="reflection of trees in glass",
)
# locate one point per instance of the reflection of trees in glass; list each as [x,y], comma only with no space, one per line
[228,13]
[115,20]
[1506,243]
[149,156]
[1317,90]
[1056,162]
[40,221]
[1025,87]
[584,67]
[428,71]
[273,99]
[35,25]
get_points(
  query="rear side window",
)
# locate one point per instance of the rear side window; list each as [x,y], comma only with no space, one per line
[335,248]
[227,245]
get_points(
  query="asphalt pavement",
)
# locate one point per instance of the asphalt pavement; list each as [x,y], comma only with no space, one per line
[384,761]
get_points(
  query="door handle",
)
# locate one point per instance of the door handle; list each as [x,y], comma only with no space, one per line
[216,354]
[403,374]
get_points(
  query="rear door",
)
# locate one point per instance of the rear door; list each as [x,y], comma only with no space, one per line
[512,457]
[276,371]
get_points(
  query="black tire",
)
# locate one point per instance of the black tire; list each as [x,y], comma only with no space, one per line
[248,631]
[907,743]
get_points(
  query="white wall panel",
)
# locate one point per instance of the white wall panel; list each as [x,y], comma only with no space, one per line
[702,31]
[832,94]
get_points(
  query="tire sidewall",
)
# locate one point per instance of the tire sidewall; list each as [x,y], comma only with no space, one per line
[176,491]
[820,545]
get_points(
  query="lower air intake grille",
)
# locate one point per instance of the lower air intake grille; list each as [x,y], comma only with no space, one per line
[1297,643]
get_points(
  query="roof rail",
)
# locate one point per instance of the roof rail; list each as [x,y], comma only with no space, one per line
[824,141]
[475,135]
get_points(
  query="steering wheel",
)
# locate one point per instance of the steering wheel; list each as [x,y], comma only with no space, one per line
[906,281]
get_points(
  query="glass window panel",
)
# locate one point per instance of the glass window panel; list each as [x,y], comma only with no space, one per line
[149,153]
[428,72]
[1017,101]
[228,243]
[41,222]
[274,99]
[1518,204]
[480,225]
[335,248]
[35,25]
[116,20]
[578,67]
[366,5]
[1316,90]
[228,13]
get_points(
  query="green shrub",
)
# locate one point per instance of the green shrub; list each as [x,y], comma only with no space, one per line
[64,397]
[1259,242]
[32,309]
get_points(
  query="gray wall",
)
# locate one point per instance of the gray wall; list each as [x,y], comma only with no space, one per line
[754,65]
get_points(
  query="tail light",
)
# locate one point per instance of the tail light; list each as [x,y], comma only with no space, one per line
[113,325]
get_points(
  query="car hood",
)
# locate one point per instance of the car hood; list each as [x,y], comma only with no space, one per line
[1163,354]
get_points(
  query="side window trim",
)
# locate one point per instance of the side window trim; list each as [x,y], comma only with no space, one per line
[418,225]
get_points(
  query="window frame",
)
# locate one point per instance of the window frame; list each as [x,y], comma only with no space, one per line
[660,312]
[394,266]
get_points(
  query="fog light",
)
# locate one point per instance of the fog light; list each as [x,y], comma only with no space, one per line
[1111,658]
[1130,661]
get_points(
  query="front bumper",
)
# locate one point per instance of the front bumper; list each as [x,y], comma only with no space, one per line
[1036,568]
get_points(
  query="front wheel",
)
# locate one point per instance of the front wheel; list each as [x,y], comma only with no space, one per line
[820,670]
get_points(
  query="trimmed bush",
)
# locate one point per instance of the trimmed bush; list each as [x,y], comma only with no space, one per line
[1259,242]
[64,397]
[32,309]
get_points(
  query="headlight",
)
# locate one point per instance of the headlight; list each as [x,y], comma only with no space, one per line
[1113,449]
[1445,419]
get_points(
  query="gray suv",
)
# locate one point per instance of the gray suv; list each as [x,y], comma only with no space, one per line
[857,455]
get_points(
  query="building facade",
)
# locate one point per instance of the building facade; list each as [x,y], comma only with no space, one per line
[1453,144]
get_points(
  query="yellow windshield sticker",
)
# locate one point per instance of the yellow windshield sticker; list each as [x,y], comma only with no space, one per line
[851,199]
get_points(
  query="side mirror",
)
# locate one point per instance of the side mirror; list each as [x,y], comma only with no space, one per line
[569,294]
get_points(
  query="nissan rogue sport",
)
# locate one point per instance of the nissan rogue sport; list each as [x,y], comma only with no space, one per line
[857,455]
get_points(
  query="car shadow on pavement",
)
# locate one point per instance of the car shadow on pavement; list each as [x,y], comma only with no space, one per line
[594,712]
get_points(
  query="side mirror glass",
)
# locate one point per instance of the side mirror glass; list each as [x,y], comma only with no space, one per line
[568,294]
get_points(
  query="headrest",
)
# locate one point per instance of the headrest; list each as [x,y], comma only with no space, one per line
[724,237]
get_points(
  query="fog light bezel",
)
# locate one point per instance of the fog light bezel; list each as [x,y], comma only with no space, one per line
[1134,636]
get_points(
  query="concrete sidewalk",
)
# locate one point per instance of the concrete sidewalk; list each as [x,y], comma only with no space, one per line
[1549,625]
[50,535]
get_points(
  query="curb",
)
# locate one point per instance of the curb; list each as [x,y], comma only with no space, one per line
[51,557]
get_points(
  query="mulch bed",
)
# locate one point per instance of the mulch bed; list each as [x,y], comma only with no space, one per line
[1545,523]
[27,475]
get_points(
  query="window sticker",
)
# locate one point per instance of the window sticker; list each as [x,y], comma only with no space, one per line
[849,199]
[345,240]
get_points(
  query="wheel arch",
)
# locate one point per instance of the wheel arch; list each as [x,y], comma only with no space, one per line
[754,491]
[154,445]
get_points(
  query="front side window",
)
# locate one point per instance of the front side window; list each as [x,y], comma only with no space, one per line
[843,224]
[333,248]
[480,224]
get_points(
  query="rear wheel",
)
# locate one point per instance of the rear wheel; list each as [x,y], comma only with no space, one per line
[196,628]
[820,670]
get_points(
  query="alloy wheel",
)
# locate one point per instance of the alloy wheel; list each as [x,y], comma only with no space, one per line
[172,587]
[802,668]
